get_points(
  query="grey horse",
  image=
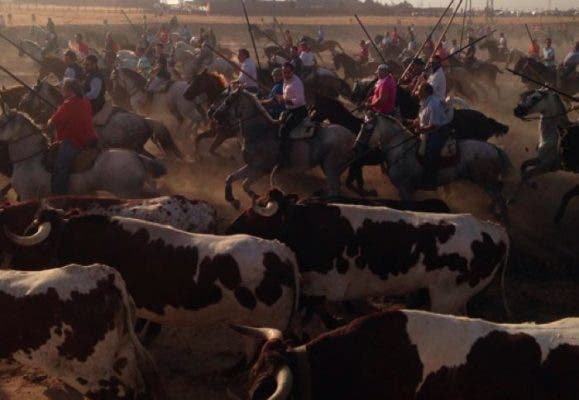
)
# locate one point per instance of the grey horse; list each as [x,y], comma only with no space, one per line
[124,129]
[123,173]
[330,147]
[480,162]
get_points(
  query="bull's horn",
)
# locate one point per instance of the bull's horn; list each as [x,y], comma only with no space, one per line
[284,380]
[40,235]
[258,333]
[268,211]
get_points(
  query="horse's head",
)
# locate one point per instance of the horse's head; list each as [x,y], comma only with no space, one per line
[535,101]
[32,103]
[239,105]
[14,125]
[361,90]
[197,85]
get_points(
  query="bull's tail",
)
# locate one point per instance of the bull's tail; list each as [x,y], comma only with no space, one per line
[154,167]
[163,139]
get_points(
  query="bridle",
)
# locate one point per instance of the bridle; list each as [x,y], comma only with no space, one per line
[557,115]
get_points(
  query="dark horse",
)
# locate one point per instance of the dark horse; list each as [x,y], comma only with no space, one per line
[353,69]
[495,54]
[212,84]
[538,71]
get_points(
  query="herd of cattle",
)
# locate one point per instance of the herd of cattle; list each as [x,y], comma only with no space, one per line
[280,262]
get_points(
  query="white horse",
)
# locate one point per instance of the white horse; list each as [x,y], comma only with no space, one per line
[123,173]
[170,101]
[480,162]
[194,60]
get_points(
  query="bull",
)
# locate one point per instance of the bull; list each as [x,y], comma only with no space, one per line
[175,277]
[177,211]
[348,252]
[405,355]
[76,324]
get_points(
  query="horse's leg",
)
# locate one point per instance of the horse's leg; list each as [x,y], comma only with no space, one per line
[254,175]
[220,137]
[203,135]
[242,173]
[565,202]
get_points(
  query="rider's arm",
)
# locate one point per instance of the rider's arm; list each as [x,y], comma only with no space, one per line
[95,88]
[381,98]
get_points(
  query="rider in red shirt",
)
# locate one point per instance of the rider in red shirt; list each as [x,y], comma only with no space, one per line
[83,48]
[74,130]
[534,49]
[364,55]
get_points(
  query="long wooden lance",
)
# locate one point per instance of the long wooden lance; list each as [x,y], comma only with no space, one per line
[463,25]
[448,25]
[425,40]
[20,81]
[545,85]
[19,48]
[236,67]
[370,38]
[271,39]
[529,33]
[250,33]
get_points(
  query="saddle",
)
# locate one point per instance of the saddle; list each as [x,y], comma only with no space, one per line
[449,155]
[83,161]
[305,130]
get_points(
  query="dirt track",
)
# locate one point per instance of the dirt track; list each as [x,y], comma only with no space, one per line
[542,280]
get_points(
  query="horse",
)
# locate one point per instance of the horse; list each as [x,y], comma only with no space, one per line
[328,85]
[333,110]
[263,33]
[29,47]
[211,85]
[170,101]
[122,130]
[52,65]
[481,71]
[553,122]
[330,147]
[325,45]
[495,54]
[12,95]
[480,162]
[121,172]
[353,69]
[536,70]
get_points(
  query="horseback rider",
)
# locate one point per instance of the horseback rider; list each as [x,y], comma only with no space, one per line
[94,86]
[73,69]
[111,49]
[308,59]
[160,75]
[570,62]
[144,65]
[82,47]
[453,47]
[549,55]
[442,54]
[289,41]
[411,40]
[502,45]
[294,100]
[321,34]
[534,50]
[432,123]
[248,76]
[74,130]
[50,25]
[364,55]
[395,36]
[296,61]
[274,103]
[51,42]
[436,78]
[382,101]
[470,55]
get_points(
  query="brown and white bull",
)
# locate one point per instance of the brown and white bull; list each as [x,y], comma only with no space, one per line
[405,355]
[175,277]
[75,323]
[348,252]
[177,211]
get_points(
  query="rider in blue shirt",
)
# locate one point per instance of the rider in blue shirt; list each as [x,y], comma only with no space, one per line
[273,106]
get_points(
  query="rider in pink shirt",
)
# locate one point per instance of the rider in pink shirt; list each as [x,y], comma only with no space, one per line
[382,101]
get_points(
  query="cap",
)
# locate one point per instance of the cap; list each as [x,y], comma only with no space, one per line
[382,68]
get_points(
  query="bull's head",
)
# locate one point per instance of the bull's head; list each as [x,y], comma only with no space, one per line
[267,218]
[271,378]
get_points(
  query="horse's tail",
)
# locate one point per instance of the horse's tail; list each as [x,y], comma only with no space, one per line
[154,167]
[163,139]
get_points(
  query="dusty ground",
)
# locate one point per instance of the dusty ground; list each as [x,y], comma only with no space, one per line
[543,275]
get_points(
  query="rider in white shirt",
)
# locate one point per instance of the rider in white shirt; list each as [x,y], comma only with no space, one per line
[437,79]
[308,59]
[247,78]
[549,54]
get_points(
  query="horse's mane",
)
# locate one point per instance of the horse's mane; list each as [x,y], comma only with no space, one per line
[218,77]
[259,107]
[138,78]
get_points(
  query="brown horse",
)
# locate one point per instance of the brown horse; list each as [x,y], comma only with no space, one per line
[52,65]
[212,84]
[12,95]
